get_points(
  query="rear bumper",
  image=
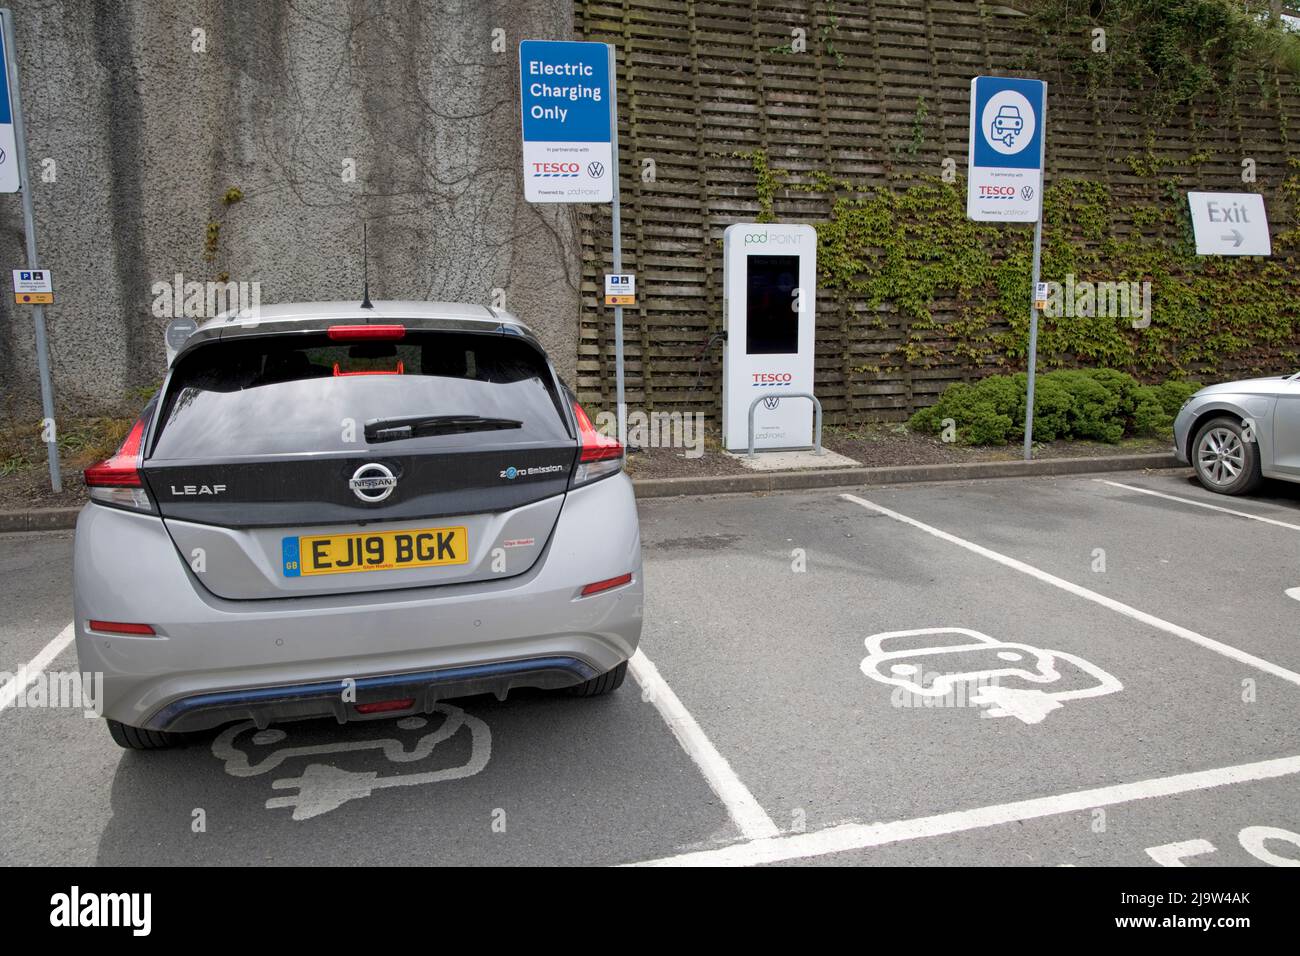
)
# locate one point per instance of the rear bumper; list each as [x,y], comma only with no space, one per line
[214,660]
[340,700]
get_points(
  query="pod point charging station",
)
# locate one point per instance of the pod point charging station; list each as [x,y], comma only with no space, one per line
[768,302]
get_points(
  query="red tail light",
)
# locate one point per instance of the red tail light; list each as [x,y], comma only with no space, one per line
[116,480]
[352,333]
[123,469]
[384,706]
[600,456]
[120,627]
[595,587]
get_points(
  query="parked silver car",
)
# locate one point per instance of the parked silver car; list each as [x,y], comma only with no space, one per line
[1238,433]
[331,510]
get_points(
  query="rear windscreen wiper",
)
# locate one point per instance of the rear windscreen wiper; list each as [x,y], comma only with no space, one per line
[395,429]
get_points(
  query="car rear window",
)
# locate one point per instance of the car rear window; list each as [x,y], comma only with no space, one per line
[270,395]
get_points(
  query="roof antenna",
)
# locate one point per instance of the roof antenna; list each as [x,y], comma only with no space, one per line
[365,265]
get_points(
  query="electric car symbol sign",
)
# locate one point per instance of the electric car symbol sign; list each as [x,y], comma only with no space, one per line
[1005,172]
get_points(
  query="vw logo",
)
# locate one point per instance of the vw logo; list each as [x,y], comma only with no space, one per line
[771,402]
[595,170]
[373,482]
[1027,193]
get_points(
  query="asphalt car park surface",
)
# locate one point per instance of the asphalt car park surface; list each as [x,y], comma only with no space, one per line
[1132,696]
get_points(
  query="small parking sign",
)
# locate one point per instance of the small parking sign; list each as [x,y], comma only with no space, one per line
[620,288]
[33,287]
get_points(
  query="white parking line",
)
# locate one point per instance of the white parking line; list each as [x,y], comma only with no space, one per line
[750,818]
[1201,504]
[1227,650]
[27,674]
[859,836]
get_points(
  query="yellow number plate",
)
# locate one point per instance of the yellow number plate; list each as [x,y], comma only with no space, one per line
[374,551]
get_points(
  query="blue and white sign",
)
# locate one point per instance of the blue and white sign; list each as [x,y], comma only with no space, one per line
[1007,131]
[567,101]
[9,182]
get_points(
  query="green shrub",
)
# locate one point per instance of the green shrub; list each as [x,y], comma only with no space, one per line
[1053,405]
[1123,386]
[1157,406]
[985,412]
[1098,404]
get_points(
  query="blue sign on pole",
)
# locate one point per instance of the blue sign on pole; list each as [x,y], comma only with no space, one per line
[1008,127]
[566,94]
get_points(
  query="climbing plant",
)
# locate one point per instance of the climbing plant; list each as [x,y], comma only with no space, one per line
[766,183]
[906,246]
[1149,99]
[913,248]
[1174,51]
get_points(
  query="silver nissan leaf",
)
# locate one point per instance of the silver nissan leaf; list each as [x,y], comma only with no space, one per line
[340,511]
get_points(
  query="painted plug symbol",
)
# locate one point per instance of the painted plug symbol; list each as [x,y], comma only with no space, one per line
[325,787]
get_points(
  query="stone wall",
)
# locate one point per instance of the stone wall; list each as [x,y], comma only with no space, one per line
[149,124]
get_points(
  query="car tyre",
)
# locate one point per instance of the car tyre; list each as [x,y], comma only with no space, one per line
[1226,461]
[137,738]
[603,684]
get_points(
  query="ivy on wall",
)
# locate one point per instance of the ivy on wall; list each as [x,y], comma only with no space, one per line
[912,247]
[767,182]
[1173,52]
[908,247]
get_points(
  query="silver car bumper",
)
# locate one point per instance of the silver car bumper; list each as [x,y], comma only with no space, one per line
[213,660]
[1182,432]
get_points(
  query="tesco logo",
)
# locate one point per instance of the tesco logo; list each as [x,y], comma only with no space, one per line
[997,192]
[771,378]
[556,170]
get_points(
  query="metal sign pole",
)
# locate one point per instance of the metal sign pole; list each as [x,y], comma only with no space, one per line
[616,216]
[33,261]
[1033,285]
[1033,338]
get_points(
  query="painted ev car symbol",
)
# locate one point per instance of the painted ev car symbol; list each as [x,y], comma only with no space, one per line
[952,666]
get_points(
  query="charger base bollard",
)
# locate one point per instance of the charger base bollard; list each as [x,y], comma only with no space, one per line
[817,416]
